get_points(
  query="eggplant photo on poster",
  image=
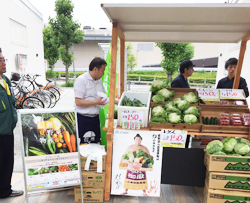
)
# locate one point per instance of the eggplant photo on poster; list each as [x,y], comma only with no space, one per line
[136,165]
[48,133]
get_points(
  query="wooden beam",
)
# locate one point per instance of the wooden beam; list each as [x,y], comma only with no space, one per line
[122,63]
[239,65]
[246,37]
[111,113]
[120,32]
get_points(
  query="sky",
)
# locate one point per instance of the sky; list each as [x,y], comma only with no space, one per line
[89,12]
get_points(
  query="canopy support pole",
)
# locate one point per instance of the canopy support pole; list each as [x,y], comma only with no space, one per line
[122,59]
[240,60]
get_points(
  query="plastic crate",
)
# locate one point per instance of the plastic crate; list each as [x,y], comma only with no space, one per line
[144,97]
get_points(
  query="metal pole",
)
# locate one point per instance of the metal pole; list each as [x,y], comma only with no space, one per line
[74,62]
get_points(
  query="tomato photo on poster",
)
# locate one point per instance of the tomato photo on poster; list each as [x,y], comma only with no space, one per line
[136,164]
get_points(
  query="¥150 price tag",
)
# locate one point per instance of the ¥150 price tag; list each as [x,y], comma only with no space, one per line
[131,115]
[209,94]
[173,138]
[232,94]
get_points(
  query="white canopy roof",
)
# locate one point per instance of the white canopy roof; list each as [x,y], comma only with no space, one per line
[219,23]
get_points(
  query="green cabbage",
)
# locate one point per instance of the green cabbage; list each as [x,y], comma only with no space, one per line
[181,104]
[241,148]
[214,148]
[158,99]
[220,153]
[214,142]
[158,111]
[229,144]
[245,141]
[190,119]
[192,110]
[156,86]
[167,94]
[190,97]
[173,110]
[170,104]
[174,118]
[125,156]
[157,120]
[233,154]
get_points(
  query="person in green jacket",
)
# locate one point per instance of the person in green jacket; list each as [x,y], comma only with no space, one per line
[8,120]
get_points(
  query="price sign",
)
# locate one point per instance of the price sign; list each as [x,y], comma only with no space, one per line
[232,94]
[173,138]
[131,115]
[209,94]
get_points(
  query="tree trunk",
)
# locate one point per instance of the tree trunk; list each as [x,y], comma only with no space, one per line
[170,76]
[67,66]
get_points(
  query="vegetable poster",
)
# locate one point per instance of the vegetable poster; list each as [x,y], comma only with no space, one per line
[136,165]
[50,149]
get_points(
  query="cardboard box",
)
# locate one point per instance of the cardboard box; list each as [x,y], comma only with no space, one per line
[89,194]
[92,179]
[229,164]
[228,181]
[224,196]
[93,164]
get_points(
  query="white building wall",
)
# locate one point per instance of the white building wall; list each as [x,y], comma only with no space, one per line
[24,14]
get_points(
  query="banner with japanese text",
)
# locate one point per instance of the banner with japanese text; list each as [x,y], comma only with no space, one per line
[50,149]
[136,164]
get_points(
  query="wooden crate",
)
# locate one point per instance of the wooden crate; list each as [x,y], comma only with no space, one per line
[217,104]
[215,112]
[179,92]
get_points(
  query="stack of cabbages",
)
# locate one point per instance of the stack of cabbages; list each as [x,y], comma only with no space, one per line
[177,111]
[229,146]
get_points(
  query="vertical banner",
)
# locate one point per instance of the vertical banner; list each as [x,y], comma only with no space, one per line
[49,148]
[136,164]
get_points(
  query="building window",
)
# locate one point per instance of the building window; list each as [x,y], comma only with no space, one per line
[18,33]
[145,47]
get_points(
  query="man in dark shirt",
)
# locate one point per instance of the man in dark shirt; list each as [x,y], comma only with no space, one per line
[186,70]
[227,82]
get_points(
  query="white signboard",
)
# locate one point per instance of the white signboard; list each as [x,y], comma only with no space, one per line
[209,94]
[232,94]
[173,138]
[136,164]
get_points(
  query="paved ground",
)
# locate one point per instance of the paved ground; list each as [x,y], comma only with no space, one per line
[67,100]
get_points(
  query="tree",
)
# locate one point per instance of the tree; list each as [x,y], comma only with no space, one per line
[66,31]
[51,53]
[131,61]
[173,55]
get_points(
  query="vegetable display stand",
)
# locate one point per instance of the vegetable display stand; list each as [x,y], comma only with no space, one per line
[178,126]
[227,129]
[143,97]
[179,92]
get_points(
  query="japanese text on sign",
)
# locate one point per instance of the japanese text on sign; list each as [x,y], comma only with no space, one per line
[173,138]
[231,94]
[131,115]
[209,94]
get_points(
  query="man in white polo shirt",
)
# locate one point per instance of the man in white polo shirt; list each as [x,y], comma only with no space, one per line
[87,102]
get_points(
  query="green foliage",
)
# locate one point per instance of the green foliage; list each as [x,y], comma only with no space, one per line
[50,74]
[51,53]
[174,53]
[66,31]
[69,83]
[131,61]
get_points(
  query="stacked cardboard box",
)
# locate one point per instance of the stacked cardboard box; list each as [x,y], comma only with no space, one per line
[92,182]
[227,179]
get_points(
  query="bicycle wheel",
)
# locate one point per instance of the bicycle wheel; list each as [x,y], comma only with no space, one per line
[56,92]
[29,85]
[44,96]
[32,103]
[53,98]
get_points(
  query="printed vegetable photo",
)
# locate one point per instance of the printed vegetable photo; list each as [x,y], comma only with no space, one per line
[48,133]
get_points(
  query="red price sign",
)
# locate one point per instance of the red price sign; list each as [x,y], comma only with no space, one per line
[231,94]
[173,138]
[133,117]
[208,94]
